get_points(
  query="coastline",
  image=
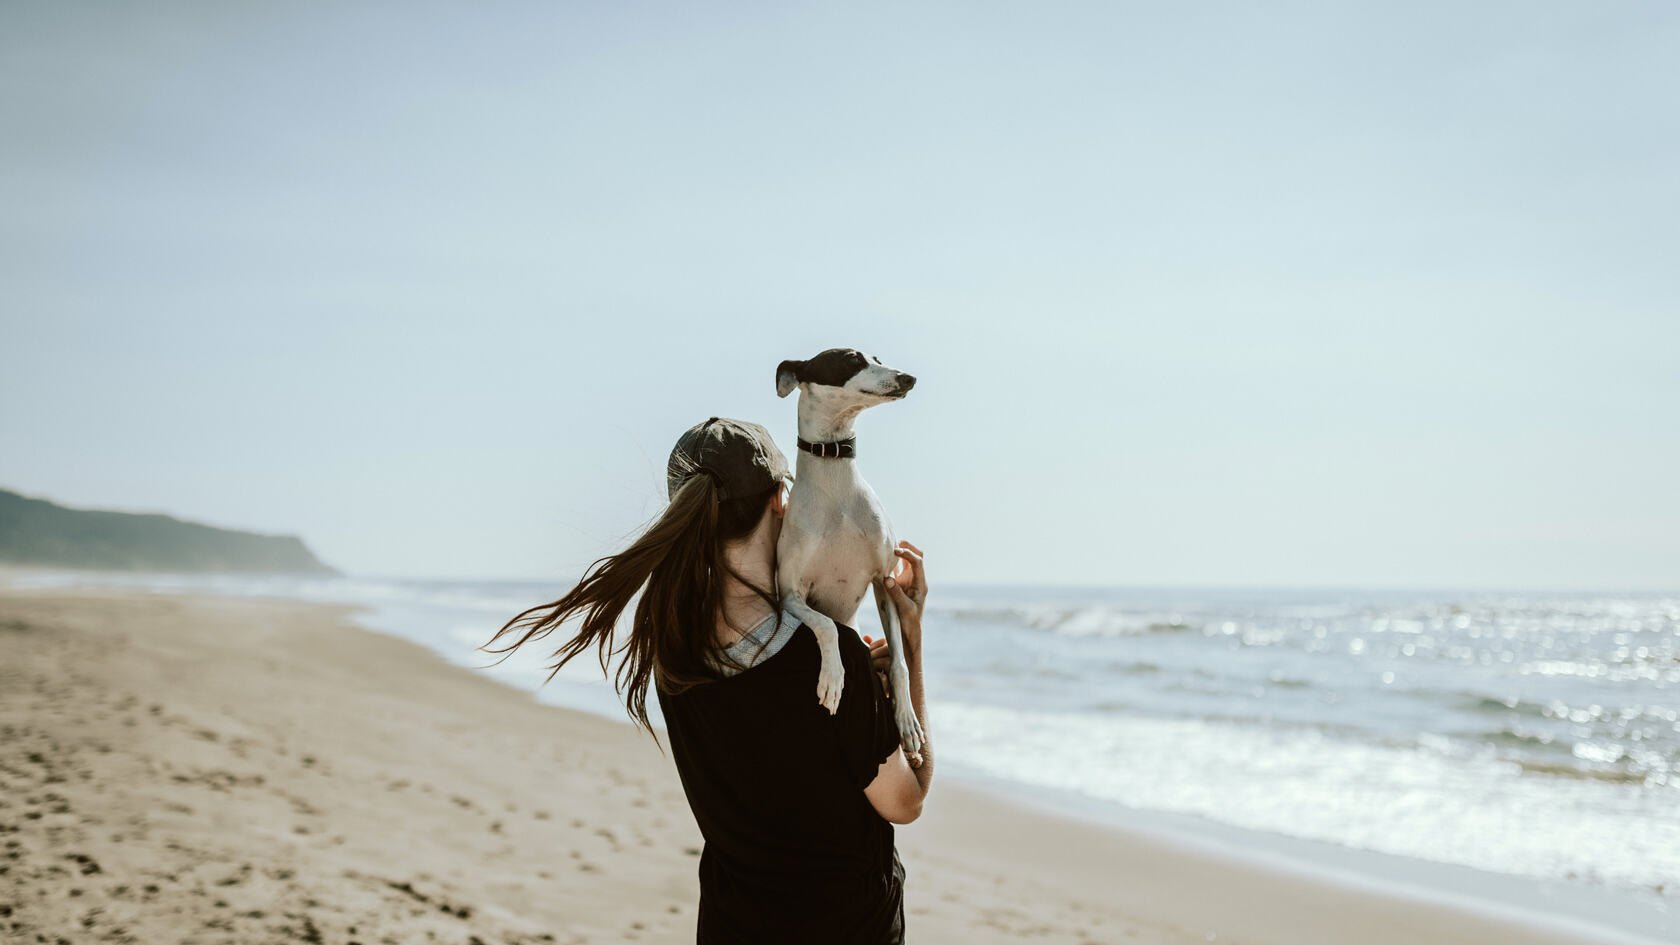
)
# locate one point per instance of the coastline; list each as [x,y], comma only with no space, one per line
[240,766]
[1504,908]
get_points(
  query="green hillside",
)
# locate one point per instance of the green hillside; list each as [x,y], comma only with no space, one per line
[41,534]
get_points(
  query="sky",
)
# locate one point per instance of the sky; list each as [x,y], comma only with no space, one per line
[1217,294]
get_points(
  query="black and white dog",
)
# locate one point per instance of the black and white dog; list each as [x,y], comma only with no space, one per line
[836,541]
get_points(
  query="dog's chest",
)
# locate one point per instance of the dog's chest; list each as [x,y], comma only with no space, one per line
[839,579]
[845,545]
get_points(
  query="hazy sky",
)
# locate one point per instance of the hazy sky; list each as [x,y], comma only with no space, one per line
[1260,294]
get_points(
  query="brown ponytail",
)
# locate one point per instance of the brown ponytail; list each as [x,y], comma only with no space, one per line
[680,560]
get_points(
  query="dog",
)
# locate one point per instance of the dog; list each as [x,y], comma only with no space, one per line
[836,541]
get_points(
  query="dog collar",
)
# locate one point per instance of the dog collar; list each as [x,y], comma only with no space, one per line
[839,449]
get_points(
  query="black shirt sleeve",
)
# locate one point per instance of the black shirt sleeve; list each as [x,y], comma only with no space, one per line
[867,727]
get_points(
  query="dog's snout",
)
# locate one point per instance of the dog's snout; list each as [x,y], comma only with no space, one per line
[907,381]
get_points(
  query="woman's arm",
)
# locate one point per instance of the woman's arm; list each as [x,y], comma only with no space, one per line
[898,790]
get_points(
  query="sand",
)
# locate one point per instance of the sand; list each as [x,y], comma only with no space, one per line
[219,770]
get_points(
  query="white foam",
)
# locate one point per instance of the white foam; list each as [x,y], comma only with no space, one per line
[1432,802]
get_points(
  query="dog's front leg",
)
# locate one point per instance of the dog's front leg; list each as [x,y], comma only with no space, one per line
[898,676]
[831,676]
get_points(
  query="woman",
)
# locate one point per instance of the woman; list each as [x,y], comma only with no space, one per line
[796,805]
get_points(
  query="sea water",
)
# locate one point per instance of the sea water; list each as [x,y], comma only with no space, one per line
[1523,734]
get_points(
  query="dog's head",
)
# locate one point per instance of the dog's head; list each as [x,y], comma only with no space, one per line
[847,372]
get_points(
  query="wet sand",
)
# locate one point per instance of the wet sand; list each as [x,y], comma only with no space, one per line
[219,770]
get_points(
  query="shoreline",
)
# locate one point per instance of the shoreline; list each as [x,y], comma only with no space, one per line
[1596,914]
[983,865]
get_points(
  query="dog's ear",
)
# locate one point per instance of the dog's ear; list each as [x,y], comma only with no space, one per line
[787,377]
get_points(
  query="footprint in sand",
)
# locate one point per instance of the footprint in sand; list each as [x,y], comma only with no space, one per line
[89,865]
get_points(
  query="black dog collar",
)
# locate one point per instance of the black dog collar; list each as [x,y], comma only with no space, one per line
[840,449]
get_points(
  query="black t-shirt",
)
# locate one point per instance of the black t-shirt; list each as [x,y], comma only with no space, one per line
[794,852]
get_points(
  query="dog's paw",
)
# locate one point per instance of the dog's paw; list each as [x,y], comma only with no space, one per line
[830,680]
[910,735]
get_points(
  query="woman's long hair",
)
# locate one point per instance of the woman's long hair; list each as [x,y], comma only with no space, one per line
[680,560]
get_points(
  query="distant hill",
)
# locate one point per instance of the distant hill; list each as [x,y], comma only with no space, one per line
[41,534]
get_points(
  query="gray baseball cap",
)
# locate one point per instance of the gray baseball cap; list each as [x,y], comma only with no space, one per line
[741,456]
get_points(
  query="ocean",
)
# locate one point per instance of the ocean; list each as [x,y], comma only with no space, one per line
[1522,735]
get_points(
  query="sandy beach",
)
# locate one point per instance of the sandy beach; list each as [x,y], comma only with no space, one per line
[210,770]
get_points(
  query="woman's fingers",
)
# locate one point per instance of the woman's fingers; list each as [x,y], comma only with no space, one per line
[908,552]
[879,656]
[913,556]
[901,597]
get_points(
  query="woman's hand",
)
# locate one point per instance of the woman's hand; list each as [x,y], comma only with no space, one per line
[908,589]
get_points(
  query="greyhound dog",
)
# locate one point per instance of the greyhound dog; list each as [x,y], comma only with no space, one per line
[836,540]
